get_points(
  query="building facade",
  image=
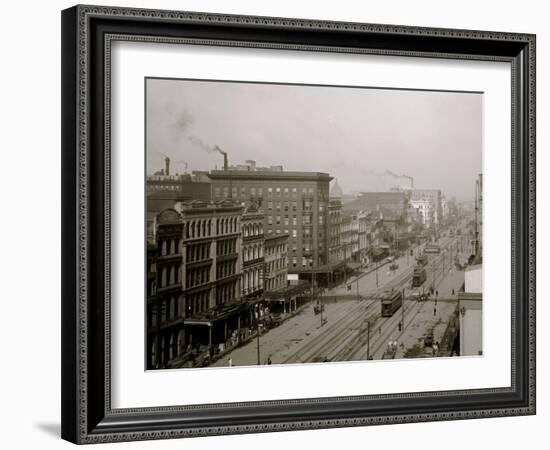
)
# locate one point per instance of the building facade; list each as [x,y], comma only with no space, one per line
[336,253]
[293,203]
[434,197]
[425,210]
[276,262]
[389,205]
[197,274]
[253,245]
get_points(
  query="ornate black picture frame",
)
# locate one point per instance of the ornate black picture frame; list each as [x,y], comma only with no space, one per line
[87,34]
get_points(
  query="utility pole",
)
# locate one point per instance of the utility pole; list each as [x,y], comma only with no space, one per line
[368,339]
[377,262]
[403,311]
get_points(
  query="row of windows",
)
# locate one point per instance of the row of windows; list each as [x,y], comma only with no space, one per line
[252,281]
[226,247]
[306,262]
[168,246]
[280,248]
[252,252]
[171,308]
[170,347]
[253,229]
[259,191]
[226,269]
[275,283]
[226,293]
[197,276]
[197,252]
[198,302]
[293,233]
[203,228]
[276,265]
[169,275]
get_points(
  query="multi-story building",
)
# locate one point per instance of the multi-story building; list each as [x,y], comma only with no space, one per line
[163,187]
[293,203]
[347,236]
[425,210]
[434,197]
[198,275]
[252,252]
[336,253]
[276,262]
[390,205]
[363,221]
[444,208]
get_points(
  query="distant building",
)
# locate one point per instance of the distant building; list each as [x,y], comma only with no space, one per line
[390,205]
[336,253]
[293,203]
[425,210]
[164,189]
[434,197]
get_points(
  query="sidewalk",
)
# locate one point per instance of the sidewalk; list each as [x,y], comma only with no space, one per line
[277,342]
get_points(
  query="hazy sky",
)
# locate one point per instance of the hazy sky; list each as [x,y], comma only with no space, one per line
[354,134]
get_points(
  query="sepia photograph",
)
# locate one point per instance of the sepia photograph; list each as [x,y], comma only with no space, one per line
[297,224]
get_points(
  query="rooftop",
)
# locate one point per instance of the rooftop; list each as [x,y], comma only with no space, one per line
[269,175]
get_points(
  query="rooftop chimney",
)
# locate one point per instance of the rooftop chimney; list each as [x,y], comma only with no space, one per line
[167,166]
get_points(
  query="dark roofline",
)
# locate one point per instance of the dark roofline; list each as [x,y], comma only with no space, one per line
[268,175]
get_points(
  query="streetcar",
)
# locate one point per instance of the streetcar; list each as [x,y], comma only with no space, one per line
[422,260]
[419,276]
[391,302]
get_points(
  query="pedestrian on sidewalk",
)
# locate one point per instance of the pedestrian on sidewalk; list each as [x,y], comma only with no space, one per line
[453,292]
[230,362]
[435,311]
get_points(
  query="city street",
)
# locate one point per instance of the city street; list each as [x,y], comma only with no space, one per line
[351,324]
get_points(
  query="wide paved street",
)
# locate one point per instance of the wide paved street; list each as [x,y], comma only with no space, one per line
[353,325]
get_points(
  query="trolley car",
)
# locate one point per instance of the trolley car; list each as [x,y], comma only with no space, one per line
[419,276]
[422,260]
[391,302]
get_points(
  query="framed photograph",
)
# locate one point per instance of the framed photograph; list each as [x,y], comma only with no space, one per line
[279,224]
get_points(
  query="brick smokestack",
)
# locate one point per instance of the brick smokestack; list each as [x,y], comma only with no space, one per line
[167,166]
